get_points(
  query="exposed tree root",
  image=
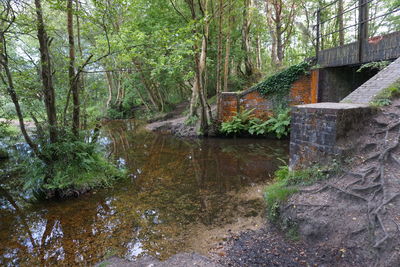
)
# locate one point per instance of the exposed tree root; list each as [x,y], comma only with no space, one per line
[372,183]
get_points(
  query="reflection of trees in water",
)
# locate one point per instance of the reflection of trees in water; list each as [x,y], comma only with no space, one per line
[175,183]
[62,236]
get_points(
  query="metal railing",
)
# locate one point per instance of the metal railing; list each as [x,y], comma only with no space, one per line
[363,19]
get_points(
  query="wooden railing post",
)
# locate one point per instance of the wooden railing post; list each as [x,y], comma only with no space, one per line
[317,45]
[362,27]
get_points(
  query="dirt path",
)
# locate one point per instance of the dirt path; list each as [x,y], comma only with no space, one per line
[174,123]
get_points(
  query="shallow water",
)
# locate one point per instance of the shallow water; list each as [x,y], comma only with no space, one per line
[174,186]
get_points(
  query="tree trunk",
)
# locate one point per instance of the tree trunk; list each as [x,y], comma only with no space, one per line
[219,56]
[259,58]
[228,49]
[148,86]
[9,83]
[340,22]
[279,43]
[246,46]
[46,74]
[110,84]
[71,71]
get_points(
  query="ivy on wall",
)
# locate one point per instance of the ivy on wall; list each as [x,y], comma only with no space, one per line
[277,87]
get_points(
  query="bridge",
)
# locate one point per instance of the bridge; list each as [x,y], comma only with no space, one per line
[371,38]
[359,32]
[319,131]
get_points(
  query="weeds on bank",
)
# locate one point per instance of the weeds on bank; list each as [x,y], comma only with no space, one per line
[385,97]
[287,182]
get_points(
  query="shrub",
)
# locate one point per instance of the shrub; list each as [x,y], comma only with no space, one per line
[238,123]
[245,122]
[75,167]
[280,124]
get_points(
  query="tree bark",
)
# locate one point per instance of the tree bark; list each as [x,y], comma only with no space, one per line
[219,56]
[246,46]
[46,74]
[340,22]
[71,71]
[228,49]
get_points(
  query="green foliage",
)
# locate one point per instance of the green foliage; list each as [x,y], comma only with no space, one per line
[376,65]
[239,123]
[115,113]
[286,183]
[191,120]
[74,166]
[258,126]
[245,122]
[385,97]
[277,87]
[279,125]
[7,130]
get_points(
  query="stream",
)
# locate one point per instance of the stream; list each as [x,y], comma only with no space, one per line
[177,193]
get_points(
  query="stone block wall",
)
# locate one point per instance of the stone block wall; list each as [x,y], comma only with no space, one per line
[303,91]
[317,131]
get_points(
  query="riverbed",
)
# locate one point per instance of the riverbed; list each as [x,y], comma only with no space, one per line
[179,196]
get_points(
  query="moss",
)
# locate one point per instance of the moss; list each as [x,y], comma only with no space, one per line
[384,98]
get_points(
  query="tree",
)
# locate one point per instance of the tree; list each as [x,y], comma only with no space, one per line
[46,73]
[280,15]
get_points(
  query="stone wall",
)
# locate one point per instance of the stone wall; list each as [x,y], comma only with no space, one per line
[303,91]
[317,131]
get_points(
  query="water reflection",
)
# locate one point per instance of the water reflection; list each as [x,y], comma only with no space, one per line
[173,185]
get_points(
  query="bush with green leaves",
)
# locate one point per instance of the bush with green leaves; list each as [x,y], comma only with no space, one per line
[75,166]
[238,124]
[244,122]
[280,124]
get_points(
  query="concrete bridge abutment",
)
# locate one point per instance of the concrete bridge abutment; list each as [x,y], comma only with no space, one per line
[319,132]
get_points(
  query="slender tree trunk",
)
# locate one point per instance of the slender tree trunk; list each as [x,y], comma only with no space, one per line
[219,56]
[9,83]
[200,60]
[46,74]
[340,22]
[81,78]
[279,42]
[149,88]
[270,23]
[71,71]
[228,49]
[259,59]
[110,84]
[246,47]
